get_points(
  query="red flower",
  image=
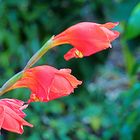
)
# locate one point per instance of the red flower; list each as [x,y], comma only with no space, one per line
[87,38]
[11,115]
[47,83]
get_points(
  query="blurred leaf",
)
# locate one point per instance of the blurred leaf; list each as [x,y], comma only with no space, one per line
[129,60]
[133,25]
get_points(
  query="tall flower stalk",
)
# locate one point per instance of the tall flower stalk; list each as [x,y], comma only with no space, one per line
[46,82]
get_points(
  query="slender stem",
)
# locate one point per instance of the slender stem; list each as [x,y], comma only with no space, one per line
[39,53]
[10,82]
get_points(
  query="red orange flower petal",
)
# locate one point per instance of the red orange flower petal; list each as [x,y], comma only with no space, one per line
[87,38]
[47,83]
[11,115]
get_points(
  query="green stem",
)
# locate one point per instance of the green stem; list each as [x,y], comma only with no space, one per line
[10,82]
[48,45]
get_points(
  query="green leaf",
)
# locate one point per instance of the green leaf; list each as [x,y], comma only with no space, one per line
[133,26]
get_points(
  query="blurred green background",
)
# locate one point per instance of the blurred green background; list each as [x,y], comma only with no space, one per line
[107,105]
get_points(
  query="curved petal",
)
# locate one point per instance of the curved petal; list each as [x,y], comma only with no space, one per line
[112,35]
[73,53]
[1,116]
[14,104]
[109,25]
[11,115]
[13,122]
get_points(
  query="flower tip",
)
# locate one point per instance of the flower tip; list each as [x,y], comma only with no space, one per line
[30,125]
[110,25]
[110,46]
[80,82]
[27,124]
[22,130]
[116,34]
[24,106]
[116,23]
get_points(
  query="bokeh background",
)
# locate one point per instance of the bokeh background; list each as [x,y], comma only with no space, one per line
[107,105]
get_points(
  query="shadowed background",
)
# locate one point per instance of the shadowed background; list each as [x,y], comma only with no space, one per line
[107,105]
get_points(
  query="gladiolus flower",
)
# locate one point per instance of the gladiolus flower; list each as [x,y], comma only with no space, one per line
[11,115]
[87,38]
[47,83]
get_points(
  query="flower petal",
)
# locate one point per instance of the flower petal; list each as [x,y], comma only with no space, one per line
[1,116]
[109,25]
[47,83]
[13,122]
[112,35]
[11,115]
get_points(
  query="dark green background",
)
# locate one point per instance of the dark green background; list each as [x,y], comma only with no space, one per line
[107,105]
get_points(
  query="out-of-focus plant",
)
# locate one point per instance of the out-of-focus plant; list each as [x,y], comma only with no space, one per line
[131,30]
